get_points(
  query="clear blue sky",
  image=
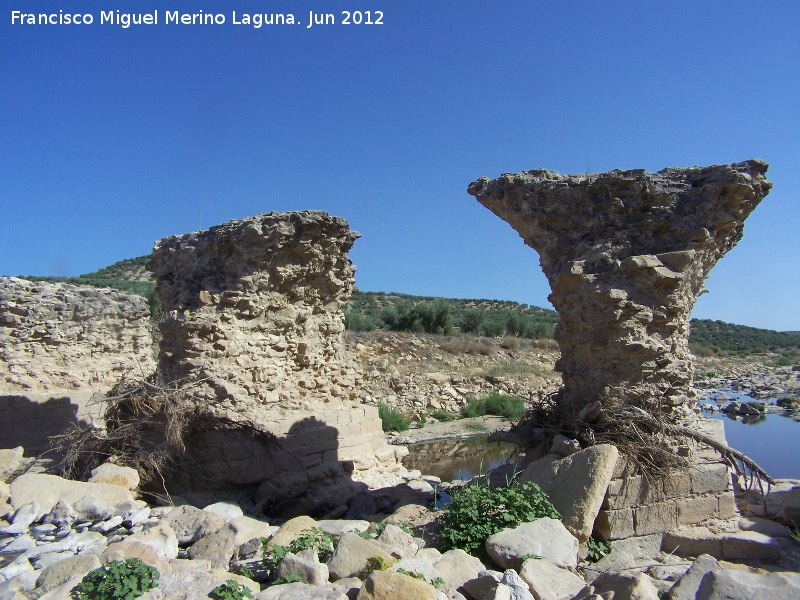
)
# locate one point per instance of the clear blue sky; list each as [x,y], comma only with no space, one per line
[113,138]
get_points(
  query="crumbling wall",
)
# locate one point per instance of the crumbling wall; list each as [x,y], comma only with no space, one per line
[254,329]
[626,254]
[60,344]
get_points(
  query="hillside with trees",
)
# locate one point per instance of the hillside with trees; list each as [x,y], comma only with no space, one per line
[373,311]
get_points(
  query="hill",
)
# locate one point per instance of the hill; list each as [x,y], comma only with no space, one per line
[370,311]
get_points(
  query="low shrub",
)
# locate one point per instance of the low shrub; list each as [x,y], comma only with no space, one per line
[314,538]
[496,403]
[391,419]
[597,549]
[444,415]
[231,590]
[477,511]
[123,579]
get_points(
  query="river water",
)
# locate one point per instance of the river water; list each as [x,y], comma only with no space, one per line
[458,459]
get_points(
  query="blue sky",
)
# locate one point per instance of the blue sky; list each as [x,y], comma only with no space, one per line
[113,138]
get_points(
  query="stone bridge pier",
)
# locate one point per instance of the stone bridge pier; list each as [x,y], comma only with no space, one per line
[626,254]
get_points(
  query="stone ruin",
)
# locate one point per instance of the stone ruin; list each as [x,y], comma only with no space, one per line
[626,254]
[254,329]
[59,345]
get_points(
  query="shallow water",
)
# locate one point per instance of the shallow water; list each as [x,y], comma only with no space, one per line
[458,459]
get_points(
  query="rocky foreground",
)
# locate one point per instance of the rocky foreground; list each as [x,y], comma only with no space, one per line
[56,531]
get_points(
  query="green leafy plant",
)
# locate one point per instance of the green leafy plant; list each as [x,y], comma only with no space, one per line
[436,582]
[477,511]
[597,549]
[290,578]
[391,419]
[404,525]
[231,590]
[314,538]
[126,580]
[375,563]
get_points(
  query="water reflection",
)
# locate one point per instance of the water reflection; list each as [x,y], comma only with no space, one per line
[458,459]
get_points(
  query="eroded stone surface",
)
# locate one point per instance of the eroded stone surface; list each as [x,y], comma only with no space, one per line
[254,325]
[626,254]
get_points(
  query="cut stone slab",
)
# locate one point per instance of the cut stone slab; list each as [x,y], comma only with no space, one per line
[548,581]
[388,585]
[340,526]
[576,484]
[738,545]
[47,490]
[544,537]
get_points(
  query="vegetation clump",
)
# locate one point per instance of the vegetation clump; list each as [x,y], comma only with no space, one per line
[314,538]
[125,580]
[478,511]
[392,419]
[231,590]
[496,403]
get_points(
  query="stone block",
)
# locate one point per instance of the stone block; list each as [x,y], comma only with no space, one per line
[695,509]
[709,477]
[693,542]
[615,524]
[656,518]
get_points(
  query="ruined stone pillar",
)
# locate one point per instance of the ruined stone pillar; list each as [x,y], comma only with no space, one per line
[254,330]
[626,254]
[253,310]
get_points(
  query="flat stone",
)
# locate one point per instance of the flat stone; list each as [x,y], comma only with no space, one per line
[47,490]
[190,523]
[543,537]
[64,570]
[339,526]
[115,475]
[188,585]
[548,581]
[228,510]
[300,591]
[576,484]
[624,585]
[457,567]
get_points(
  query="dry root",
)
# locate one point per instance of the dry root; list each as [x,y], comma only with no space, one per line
[148,426]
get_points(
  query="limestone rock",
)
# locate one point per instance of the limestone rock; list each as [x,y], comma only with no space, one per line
[402,543]
[132,549]
[576,484]
[248,528]
[291,530]
[543,537]
[739,585]
[47,490]
[626,254]
[300,591]
[457,567]
[548,581]
[625,585]
[352,553]
[388,585]
[419,565]
[227,510]
[116,475]
[217,547]
[518,588]
[305,565]
[190,523]
[64,570]
[188,585]
[161,537]
[11,461]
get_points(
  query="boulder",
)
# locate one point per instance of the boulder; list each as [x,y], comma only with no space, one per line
[626,586]
[65,570]
[389,585]
[305,565]
[228,510]
[547,581]
[217,547]
[738,585]
[161,537]
[247,528]
[11,461]
[402,543]
[545,537]
[131,549]
[576,484]
[300,591]
[190,523]
[291,530]
[456,567]
[352,553]
[47,490]
[518,588]
[419,565]
[188,585]
[115,475]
